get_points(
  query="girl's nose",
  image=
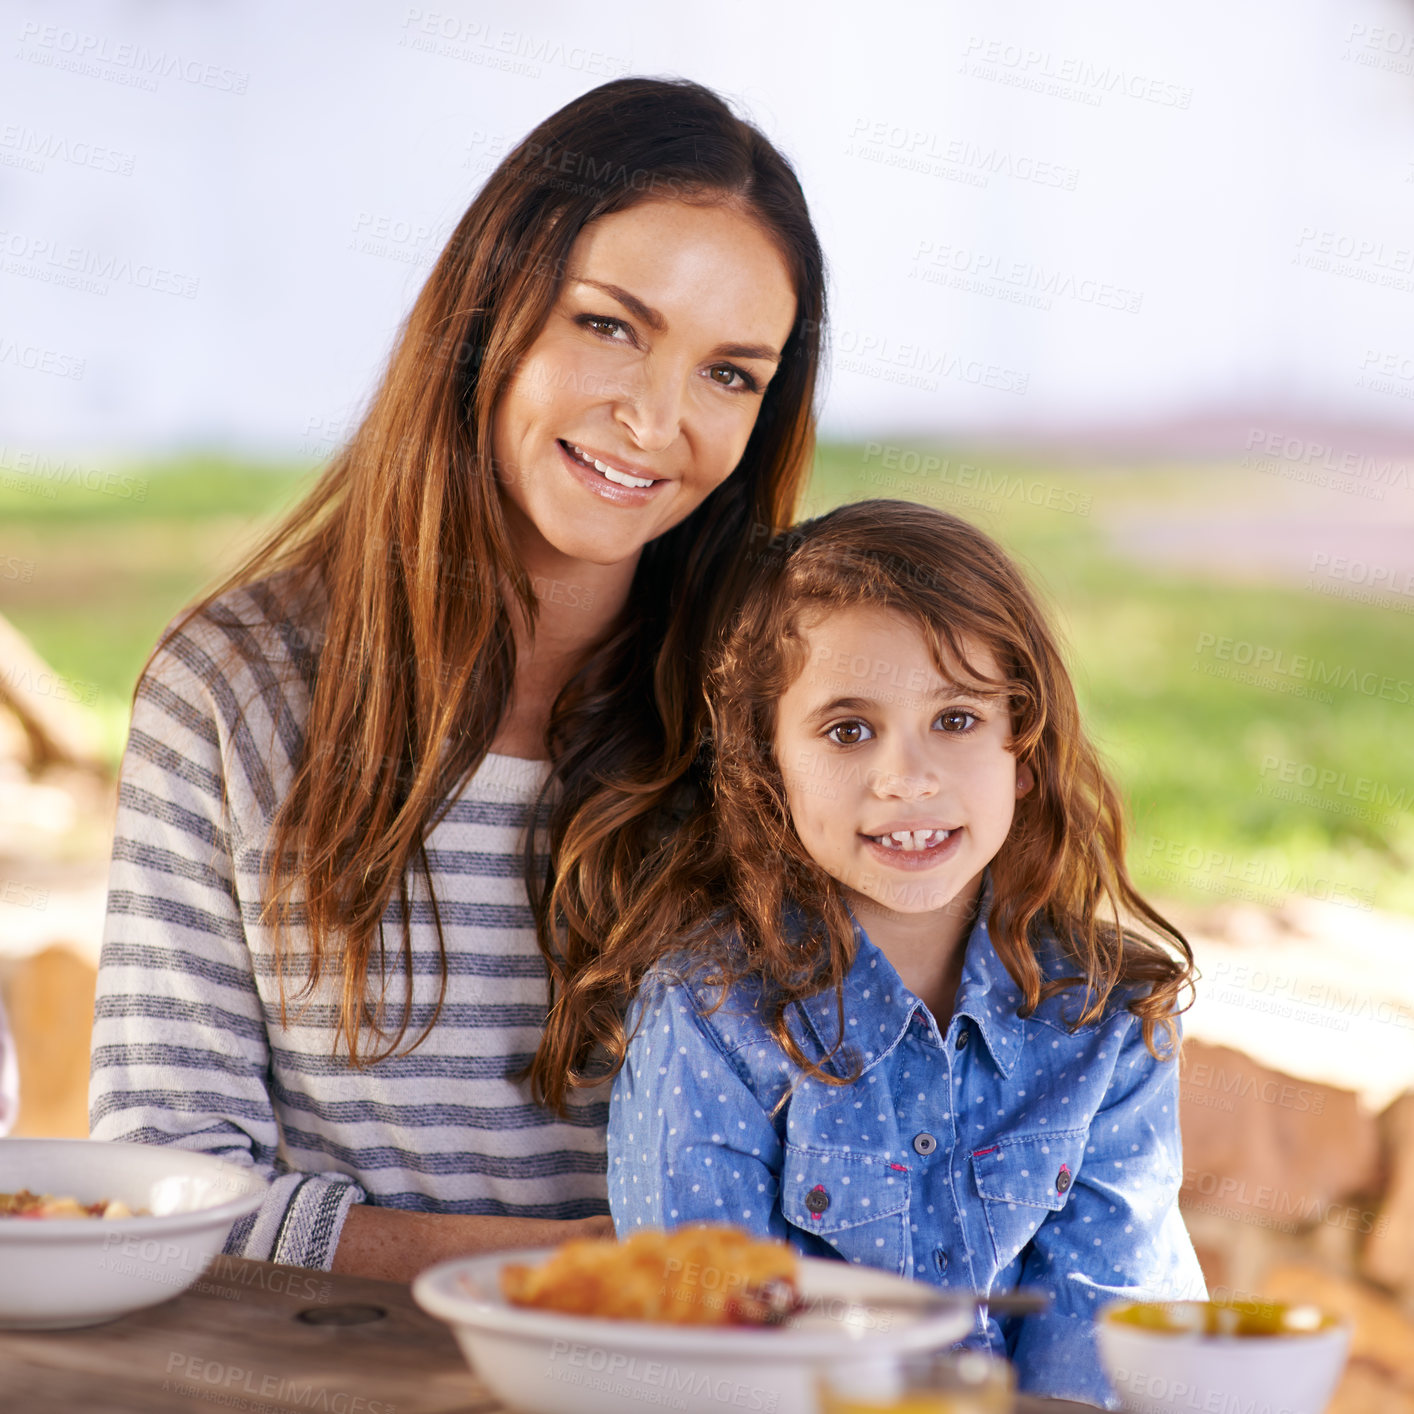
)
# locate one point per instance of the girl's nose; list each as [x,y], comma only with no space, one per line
[903,772]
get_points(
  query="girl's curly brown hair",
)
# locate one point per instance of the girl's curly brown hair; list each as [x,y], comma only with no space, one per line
[722,885]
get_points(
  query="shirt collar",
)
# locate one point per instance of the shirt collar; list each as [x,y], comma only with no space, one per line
[879,1009]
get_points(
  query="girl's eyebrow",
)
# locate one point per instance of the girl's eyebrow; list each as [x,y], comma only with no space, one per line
[655,321]
[863,704]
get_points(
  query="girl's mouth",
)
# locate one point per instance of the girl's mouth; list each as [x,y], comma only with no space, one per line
[913,849]
[609,473]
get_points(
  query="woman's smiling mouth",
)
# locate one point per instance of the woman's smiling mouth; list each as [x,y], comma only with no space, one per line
[608,470]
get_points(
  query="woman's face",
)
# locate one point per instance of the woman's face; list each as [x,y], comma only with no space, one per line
[652,364]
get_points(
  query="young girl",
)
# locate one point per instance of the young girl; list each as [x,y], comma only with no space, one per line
[893,1004]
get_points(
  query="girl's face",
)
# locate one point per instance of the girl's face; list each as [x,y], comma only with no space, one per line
[636,400]
[872,740]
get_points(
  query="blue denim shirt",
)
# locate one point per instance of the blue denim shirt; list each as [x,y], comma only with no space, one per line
[999,1152]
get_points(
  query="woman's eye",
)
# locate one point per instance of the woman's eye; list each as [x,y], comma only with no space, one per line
[957,720]
[602,325]
[848,733]
[726,375]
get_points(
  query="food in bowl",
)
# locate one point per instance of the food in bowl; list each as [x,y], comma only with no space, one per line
[74,1270]
[555,1362]
[25,1204]
[697,1276]
[1166,1356]
[1243,1319]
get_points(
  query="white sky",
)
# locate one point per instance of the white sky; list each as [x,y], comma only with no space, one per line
[1278,131]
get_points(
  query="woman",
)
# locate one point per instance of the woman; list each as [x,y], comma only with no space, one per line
[331,938]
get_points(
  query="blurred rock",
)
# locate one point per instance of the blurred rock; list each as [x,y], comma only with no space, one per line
[49,707]
[1271,1151]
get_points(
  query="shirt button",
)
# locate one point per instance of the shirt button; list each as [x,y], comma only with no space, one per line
[1062,1179]
[940,1260]
[962,1034]
[817,1200]
[924,1143]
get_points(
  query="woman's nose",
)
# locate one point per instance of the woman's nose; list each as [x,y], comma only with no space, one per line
[651,409]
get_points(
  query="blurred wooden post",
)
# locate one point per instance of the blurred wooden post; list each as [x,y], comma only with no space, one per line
[49,997]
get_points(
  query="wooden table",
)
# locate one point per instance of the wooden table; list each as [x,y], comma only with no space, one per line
[264,1339]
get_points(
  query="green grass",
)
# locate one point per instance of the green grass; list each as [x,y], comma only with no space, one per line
[1192,752]
[92,576]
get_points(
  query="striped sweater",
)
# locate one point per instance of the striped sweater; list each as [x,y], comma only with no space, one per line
[188,1047]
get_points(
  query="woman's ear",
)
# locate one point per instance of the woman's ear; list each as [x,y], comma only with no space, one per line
[1024,779]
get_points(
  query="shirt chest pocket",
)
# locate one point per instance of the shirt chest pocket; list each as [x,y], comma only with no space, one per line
[857,1203]
[1022,1181]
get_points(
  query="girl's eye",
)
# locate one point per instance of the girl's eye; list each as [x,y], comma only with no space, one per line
[848,733]
[723,374]
[956,720]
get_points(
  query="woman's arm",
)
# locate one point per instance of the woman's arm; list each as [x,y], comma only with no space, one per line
[181,1053]
[181,1046]
[393,1245]
[1119,1237]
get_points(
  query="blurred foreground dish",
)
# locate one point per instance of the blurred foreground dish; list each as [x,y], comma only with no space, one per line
[25,1204]
[700,1276]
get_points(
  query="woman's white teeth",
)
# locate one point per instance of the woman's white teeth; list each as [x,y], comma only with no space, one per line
[912,839]
[621,477]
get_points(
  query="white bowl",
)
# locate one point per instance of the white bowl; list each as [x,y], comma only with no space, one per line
[553,1363]
[1156,1371]
[62,1272]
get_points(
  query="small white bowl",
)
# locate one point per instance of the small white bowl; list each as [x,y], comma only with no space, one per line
[1183,1368]
[554,1363]
[61,1272]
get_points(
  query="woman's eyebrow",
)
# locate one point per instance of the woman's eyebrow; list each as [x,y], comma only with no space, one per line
[630,302]
[655,321]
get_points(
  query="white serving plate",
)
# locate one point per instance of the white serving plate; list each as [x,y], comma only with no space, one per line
[550,1363]
[62,1272]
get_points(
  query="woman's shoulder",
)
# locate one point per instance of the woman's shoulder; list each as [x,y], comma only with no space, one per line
[249,642]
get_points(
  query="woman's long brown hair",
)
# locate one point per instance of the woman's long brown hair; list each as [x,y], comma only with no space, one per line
[403,545]
[722,890]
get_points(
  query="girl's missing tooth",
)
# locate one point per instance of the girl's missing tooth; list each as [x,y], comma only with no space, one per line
[900,1002]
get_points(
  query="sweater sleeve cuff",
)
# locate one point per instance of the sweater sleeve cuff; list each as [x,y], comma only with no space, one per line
[300,1221]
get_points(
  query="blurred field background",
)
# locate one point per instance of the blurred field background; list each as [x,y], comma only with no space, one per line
[1194,753]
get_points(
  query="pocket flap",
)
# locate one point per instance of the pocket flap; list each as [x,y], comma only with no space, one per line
[828,1191]
[1037,1170]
